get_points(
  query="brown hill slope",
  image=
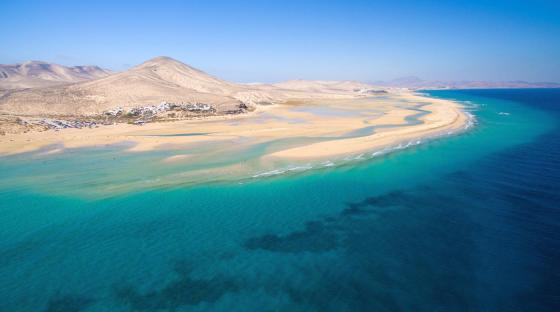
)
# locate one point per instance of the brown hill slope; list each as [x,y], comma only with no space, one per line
[157,80]
[36,74]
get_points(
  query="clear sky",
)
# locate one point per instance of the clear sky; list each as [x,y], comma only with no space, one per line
[275,40]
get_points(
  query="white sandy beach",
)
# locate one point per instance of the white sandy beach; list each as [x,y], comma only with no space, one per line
[324,118]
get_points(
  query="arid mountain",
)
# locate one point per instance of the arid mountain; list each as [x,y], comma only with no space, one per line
[157,80]
[417,83]
[36,74]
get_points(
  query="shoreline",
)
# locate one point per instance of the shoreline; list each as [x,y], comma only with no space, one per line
[455,119]
[305,118]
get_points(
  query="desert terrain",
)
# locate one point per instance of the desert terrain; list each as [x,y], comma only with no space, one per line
[165,104]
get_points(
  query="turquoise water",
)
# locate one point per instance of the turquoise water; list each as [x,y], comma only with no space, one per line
[462,223]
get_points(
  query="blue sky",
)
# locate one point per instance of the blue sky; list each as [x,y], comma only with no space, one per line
[277,40]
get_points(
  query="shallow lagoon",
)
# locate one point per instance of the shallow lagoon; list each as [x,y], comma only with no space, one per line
[467,222]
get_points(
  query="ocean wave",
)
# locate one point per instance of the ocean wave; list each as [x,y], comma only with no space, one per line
[471,121]
[151,181]
[337,162]
[269,173]
[290,168]
[300,168]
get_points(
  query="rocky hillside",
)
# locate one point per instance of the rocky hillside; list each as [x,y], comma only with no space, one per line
[37,74]
[158,80]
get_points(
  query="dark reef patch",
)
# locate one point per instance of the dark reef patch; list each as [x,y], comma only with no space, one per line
[316,237]
[387,262]
[325,235]
[69,303]
[182,292]
[353,209]
[395,198]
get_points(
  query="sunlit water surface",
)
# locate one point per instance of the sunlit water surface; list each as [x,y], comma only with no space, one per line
[462,223]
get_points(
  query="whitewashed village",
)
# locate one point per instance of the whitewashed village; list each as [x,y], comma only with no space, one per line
[135,115]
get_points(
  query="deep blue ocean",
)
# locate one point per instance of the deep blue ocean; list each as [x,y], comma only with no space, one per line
[469,222]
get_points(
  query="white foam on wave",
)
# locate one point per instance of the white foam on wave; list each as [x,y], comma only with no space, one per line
[300,168]
[471,120]
[269,173]
[364,156]
[291,168]
[51,152]
[151,181]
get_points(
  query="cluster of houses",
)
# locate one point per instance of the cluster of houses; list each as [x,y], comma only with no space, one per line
[140,115]
[152,110]
[371,91]
[58,124]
